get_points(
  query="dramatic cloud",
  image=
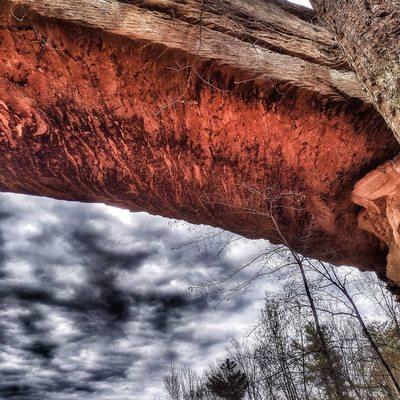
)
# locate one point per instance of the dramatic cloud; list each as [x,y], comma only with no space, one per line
[95,301]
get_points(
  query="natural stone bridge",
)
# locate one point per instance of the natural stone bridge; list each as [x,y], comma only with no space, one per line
[255,126]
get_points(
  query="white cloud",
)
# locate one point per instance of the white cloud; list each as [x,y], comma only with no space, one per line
[98,302]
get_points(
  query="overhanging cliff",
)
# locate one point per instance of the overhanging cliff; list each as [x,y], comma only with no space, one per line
[115,113]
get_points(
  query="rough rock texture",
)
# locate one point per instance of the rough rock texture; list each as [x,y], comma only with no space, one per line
[374,27]
[88,116]
[379,193]
[255,36]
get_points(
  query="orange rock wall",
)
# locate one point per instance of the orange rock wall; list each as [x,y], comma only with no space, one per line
[378,194]
[90,117]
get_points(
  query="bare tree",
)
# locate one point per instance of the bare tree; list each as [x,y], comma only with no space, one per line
[331,276]
[185,384]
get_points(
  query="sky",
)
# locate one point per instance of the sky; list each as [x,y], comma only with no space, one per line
[96,302]
[302,2]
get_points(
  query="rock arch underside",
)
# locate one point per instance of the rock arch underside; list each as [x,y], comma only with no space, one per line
[181,109]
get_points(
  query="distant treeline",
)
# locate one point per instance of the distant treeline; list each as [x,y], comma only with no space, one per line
[328,333]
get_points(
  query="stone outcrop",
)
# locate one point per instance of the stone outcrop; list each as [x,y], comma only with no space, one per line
[92,116]
[379,195]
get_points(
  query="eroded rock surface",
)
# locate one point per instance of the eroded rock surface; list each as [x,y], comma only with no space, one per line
[379,194]
[93,117]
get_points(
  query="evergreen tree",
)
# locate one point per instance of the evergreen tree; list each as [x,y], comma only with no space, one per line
[323,369]
[229,383]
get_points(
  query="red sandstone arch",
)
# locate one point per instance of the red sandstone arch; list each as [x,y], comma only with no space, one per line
[121,118]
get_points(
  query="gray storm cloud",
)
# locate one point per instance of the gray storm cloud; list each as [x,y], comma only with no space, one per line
[95,301]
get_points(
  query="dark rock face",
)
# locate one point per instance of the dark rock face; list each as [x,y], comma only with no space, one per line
[90,117]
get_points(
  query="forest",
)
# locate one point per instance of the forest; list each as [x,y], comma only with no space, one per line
[313,339]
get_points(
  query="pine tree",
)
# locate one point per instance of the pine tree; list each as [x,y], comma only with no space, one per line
[320,372]
[229,383]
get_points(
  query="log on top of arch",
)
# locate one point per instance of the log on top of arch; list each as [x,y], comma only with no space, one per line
[203,112]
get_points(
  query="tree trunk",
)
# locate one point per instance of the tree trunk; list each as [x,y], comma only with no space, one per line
[190,111]
[330,374]
[374,346]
